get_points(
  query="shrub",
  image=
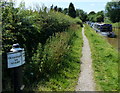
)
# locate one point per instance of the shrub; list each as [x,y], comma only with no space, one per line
[33,29]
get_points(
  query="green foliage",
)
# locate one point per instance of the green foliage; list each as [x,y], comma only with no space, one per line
[117,24]
[81,14]
[64,52]
[55,8]
[78,21]
[105,61]
[16,28]
[72,11]
[99,16]
[91,16]
[113,11]
[53,52]
[36,31]
[59,9]
[65,11]
[96,17]
[92,13]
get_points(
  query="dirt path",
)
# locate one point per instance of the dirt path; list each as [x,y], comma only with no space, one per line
[85,81]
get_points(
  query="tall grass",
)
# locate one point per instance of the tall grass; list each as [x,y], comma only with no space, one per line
[62,61]
[105,61]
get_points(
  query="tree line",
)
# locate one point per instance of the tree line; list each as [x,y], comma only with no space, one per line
[111,12]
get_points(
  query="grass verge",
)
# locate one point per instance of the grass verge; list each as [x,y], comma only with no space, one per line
[105,61]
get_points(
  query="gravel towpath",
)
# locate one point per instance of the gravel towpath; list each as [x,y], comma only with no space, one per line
[86,81]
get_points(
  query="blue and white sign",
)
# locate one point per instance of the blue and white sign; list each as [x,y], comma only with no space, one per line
[16,59]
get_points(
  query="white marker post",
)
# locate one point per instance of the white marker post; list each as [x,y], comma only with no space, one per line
[16,58]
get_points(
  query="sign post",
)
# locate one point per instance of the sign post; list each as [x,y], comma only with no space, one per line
[16,58]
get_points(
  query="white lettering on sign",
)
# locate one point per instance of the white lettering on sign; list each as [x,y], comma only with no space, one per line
[15,59]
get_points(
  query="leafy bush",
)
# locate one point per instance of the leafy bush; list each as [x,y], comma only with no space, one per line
[78,21]
[36,31]
[48,60]
[60,62]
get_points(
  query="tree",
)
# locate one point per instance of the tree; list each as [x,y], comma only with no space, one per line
[55,8]
[92,13]
[72,11]
[96,17]
[59,9]
[99,16]
[81,14]
[91,16]
[112,11]
[51,8]
[65,11]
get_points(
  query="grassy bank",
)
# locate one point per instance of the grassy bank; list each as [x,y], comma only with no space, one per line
[65,77]
[105,61]
[117,25]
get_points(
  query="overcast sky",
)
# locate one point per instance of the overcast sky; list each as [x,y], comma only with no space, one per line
[86,5]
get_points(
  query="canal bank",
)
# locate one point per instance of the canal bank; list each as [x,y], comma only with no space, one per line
[105,61]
